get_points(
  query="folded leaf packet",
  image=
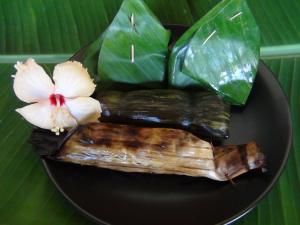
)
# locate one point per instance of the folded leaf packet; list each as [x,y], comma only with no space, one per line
[220,52]
[202,113]
[134,47]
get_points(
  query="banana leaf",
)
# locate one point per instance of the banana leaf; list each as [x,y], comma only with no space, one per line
[49,30]
[91,56]
[135,46]
[220,52]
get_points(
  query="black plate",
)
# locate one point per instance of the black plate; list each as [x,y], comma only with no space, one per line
[122,198]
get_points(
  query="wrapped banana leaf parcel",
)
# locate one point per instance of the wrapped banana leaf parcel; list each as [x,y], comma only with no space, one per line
[132,50]
[202,113]
[148,150]
[220,52]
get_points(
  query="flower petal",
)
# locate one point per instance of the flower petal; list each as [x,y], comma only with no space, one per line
[38,114]
[72,80]
[31,83]
[84,109]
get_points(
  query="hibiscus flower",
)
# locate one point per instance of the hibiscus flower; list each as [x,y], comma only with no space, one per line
[59,105]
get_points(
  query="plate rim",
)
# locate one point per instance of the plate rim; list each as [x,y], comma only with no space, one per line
[78,208]
[263,66]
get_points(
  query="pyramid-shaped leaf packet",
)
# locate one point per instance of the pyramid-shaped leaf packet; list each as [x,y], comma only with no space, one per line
[134,47]
[220,52]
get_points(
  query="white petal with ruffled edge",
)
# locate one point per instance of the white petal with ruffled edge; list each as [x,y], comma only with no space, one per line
[31,83]
[72,80]
[84,109]
[38,114]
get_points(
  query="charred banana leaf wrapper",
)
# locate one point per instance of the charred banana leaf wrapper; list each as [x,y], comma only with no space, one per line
[202,113]
[149,150]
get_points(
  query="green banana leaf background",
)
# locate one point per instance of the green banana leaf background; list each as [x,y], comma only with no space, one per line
[52,30]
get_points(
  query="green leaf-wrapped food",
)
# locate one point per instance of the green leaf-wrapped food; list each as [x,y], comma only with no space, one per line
[220,52]
[202,113]
[134,47]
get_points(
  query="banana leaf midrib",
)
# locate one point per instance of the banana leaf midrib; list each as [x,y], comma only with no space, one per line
[266,52]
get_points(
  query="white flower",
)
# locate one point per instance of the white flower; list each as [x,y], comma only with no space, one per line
[64,104]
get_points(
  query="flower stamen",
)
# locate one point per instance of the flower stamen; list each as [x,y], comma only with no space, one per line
[57,130]
[61,119]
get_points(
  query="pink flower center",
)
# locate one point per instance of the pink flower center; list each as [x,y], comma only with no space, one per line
[57,99]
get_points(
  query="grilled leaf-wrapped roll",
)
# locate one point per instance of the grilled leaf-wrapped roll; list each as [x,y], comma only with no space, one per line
[149,150]
[202,113]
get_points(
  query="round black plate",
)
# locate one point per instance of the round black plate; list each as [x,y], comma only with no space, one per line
[122,198]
